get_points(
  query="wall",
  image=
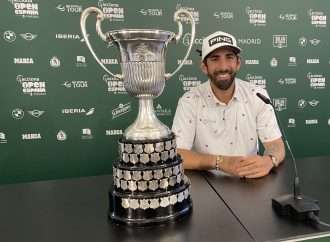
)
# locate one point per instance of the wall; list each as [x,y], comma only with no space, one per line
[61,114]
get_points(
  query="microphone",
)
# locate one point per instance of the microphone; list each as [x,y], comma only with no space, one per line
[296,205]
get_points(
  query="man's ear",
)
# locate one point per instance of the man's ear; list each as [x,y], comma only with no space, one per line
[203,67]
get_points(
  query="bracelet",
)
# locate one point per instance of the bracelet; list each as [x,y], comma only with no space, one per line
[218,161]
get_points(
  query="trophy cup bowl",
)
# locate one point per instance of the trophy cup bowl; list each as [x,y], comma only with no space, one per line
[149,185]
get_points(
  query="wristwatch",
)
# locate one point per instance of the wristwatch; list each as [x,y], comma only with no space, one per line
[274,161]
[218,161]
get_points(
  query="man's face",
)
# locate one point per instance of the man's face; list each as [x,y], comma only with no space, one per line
[221,67]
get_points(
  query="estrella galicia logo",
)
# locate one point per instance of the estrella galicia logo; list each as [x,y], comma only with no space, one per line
[220,39]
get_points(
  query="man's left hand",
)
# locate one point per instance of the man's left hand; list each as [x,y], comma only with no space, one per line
[254,166]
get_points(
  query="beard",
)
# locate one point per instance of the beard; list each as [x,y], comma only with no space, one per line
[222,84]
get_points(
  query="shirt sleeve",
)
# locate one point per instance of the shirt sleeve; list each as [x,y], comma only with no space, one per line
[267,126]
[184,122]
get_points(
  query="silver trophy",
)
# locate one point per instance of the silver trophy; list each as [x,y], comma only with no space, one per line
[143,67]
[149,185]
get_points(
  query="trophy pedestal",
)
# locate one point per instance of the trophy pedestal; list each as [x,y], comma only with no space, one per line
[149,183]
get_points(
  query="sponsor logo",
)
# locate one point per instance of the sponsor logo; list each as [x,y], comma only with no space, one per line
[67,36]
[318,18]
[303,42]
[61,136]
[115,85]
[109,61]
[112,11]
[186,40]
[188,82]
[291,123]
[256,80]
[249,41]
[302,103]
[292,61]
[151,12]
[280,104]
[32,86]
[36,113]
[186,62]
[273,62]
[75,111]
[25,8]
[75,84]
[17,113]
[3,139]
[69,8]
[31,136]
[194,13]
[280,41]
[311,121]
[121,110]
[224,15]
[24,61]
[81,61]
[252,62]
[317,81]
[86,134]
[256,16]
[313,61]
[55,62]
[112,132]
[287,81]
[162,111]
[9,36]
[288,17]
[220,39]
[28,36]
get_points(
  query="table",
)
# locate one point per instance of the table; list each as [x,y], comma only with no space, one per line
[76,210]
[250,200]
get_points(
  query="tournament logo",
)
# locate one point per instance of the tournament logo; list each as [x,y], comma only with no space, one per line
[112,11]
[318,18]
[26,8]
[280,41]
[256,16]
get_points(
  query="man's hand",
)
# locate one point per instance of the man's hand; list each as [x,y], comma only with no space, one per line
[254,166]
[231,164]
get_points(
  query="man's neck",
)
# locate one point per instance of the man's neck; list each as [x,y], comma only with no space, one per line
[223,96]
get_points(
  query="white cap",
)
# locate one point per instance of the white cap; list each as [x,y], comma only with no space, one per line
[216,40]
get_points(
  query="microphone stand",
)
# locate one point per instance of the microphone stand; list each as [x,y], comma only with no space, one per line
[295,206]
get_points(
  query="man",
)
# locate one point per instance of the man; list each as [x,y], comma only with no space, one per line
[218,123]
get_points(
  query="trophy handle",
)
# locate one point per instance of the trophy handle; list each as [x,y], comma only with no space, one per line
[100,18]
[178,36]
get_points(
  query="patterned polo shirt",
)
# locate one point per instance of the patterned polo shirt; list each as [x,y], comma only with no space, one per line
[204,124]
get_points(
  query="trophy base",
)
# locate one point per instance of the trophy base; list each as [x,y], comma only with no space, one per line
[154,220]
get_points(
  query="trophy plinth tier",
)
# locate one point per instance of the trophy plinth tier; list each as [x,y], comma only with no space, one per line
[149,185]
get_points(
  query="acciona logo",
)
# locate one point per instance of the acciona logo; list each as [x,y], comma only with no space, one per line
[112,11]
[313,61]
[109,61]
[188,82]
[112,132]
[256,16]
[115,85]
[25,8]
[318,18]
[317,81]
[193,12]
[187,62]
[23,60]
[32,86]
[186,40]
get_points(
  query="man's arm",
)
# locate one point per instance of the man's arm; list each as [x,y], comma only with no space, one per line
[258,166]
[196,161]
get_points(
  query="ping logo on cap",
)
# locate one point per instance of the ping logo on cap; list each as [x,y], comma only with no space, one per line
[220,39]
